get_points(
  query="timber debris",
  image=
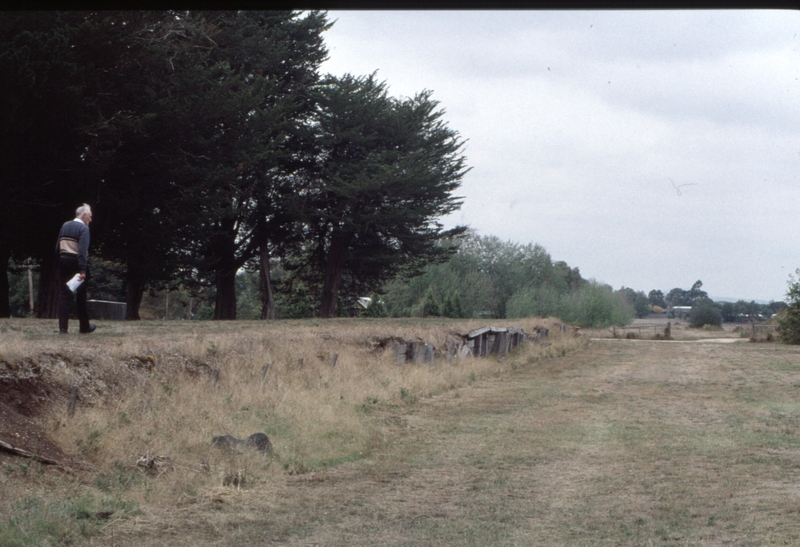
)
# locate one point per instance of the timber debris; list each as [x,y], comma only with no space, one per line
[476,343]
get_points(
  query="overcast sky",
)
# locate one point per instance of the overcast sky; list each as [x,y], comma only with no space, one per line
[648,148]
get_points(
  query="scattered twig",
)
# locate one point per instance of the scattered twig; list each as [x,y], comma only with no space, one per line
[154,464]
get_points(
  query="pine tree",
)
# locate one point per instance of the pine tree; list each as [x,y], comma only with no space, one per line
[376,307]
[43,120]
[385,172]
[240,148]
[430,304]
[452,305]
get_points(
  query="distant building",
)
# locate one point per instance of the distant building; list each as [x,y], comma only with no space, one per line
[679,312]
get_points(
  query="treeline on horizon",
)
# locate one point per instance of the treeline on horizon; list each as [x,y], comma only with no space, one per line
[483,278]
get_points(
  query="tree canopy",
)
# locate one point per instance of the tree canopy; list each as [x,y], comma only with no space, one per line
[384,171]
[208,141]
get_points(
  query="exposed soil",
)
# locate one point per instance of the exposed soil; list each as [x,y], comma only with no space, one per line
[26,395]
[21,432]
[32,387]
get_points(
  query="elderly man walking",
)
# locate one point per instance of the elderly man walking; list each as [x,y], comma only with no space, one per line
[73,258]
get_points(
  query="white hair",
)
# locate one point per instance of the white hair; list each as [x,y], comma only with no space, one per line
[83,209]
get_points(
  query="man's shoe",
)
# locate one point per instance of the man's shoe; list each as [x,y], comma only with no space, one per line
[60,331]
[91,328]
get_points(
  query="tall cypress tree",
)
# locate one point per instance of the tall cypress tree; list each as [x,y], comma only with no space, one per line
[43,114]
[196,111]
[133,56]
[386,171]
[248,99]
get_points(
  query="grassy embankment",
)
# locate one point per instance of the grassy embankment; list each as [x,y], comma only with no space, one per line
[150,388]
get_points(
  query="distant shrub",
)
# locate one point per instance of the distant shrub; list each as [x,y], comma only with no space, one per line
[705,314]
[204,312]
[298,304]
[375,308]
[541,301]
[452,306]
[592,306]
[597,306]
[431,305]
[789,318]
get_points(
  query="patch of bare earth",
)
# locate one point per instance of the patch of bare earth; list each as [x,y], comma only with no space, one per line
[25,397]
[620,444]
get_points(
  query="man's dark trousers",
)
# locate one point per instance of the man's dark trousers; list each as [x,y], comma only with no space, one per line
[67,268]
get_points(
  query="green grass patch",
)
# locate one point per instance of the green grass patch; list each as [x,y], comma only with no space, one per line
[783,366]
[37,522]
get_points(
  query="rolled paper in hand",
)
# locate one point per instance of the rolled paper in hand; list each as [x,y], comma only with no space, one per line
[74,283]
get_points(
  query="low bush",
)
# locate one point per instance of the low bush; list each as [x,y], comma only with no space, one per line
[705,314]
[789,318]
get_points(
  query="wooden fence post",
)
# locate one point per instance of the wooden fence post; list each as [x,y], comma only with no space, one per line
[400,354]
[429,347]
[411,351]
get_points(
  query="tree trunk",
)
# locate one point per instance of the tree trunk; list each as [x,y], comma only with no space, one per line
[5,257]
[48,291]
[334,268]
[225,304]
[30,289]
[134,291]
[267,298]
[225,247]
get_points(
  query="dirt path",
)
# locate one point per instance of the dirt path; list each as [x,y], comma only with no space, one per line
[621,444]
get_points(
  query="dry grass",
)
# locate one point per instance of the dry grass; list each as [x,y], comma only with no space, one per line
[654,329]
[689,442]
[150,388]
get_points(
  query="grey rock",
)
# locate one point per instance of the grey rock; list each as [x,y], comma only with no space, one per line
[259,441]
[256,441]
